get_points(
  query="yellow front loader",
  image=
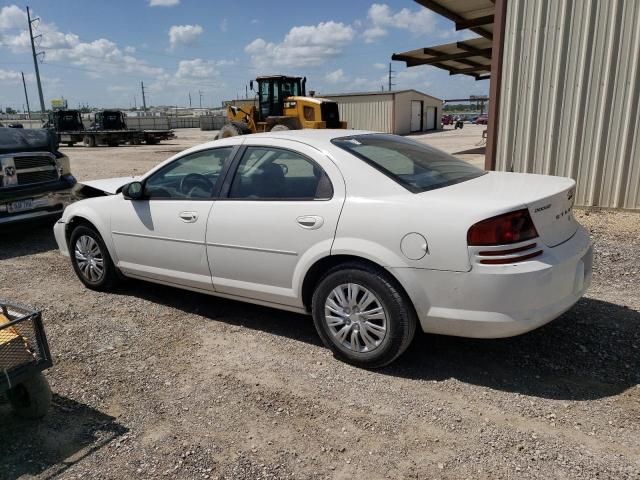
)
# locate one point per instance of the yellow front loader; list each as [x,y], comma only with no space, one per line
[281,104]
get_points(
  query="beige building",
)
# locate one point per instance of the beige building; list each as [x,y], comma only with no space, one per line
[400,112]
[564,93]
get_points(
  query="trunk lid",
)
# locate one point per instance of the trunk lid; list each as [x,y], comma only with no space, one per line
[553,216]
[549,200]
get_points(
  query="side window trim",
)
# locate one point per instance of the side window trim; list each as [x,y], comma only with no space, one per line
[217,188]
[225,189]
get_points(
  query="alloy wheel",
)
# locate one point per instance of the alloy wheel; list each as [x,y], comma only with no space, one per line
[355,317]
[89,258]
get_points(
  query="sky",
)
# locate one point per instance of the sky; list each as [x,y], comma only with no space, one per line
[97,53]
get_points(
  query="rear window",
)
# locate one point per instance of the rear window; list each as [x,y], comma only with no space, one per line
[415,166]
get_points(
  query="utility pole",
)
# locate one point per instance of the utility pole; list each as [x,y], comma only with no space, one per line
[189,99]
[391,72]
[35,58]
[246,91]
[144,100]
[200,93]
[26,97]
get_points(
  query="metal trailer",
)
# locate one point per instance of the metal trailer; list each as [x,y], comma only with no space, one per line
[24,354]
[107,128]
[93,138]
[151,137]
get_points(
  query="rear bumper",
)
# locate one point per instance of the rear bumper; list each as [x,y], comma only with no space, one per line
[48,201]
[496,301]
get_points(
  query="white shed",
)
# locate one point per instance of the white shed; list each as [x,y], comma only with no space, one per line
[400,112]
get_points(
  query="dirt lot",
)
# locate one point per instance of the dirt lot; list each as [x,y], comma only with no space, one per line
[153,382]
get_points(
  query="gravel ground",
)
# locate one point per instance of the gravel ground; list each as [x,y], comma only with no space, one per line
[153,382]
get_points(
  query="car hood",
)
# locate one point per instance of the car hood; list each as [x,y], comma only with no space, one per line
[109,185]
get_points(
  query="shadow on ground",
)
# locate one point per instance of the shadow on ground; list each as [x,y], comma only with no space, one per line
[26,239]
[472,151]
[49,446]
[592,351]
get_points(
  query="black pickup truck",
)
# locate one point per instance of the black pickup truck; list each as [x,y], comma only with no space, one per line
[35,178]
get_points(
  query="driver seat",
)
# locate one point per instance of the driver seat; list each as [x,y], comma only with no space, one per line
[270,181]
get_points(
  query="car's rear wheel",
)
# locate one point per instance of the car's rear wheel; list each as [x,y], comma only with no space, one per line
[363,316]
[91,260]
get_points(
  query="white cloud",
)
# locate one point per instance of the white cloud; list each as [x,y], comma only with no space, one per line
[336,76]
[163,3]
[98,56]
[381,18]
[12,75]
[380,66]
[12,17]
[224,25]
[196,73]
[182,35]
[302,46]
[197,69]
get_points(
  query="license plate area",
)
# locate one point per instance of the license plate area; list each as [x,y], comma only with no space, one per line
[20,206]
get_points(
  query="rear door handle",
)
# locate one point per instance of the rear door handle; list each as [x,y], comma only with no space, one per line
[310,222]
[188,217]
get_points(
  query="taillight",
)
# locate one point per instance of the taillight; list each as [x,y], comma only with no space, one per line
[512,227]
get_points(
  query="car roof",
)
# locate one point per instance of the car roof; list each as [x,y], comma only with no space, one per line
[313,137]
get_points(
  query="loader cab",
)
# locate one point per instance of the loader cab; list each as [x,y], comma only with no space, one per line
[273,90]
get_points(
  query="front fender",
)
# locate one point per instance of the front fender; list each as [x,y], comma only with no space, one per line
[96,211]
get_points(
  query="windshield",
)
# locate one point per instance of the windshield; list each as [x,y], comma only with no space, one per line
[290,88]
[415,166]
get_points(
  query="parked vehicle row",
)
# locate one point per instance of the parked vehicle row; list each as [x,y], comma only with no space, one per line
[454,118]
[108,127]
[371,234]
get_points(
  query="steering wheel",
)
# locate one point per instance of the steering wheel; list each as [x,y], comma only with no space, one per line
[194,180]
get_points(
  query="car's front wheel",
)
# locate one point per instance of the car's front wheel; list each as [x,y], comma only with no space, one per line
[363,316]
[91,260]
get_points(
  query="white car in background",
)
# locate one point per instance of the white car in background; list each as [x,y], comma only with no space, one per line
[371,233]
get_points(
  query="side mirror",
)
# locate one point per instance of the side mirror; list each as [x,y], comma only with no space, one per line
[132,191]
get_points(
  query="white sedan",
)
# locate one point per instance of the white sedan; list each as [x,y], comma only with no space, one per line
[371,233]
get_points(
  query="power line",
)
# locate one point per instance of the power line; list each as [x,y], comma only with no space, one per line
[144,100]
[26,96]
[35,57]
[391,76]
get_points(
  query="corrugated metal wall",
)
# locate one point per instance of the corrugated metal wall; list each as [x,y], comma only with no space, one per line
[570,96]
[367,112]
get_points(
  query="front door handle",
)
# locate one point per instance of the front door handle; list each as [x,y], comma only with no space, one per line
[188,217]
[310,222]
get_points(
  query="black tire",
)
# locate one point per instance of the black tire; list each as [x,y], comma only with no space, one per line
[31,398]
[234,129]
[151,141]
[89,141]
[108,279]
[70,144]
[400,315]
